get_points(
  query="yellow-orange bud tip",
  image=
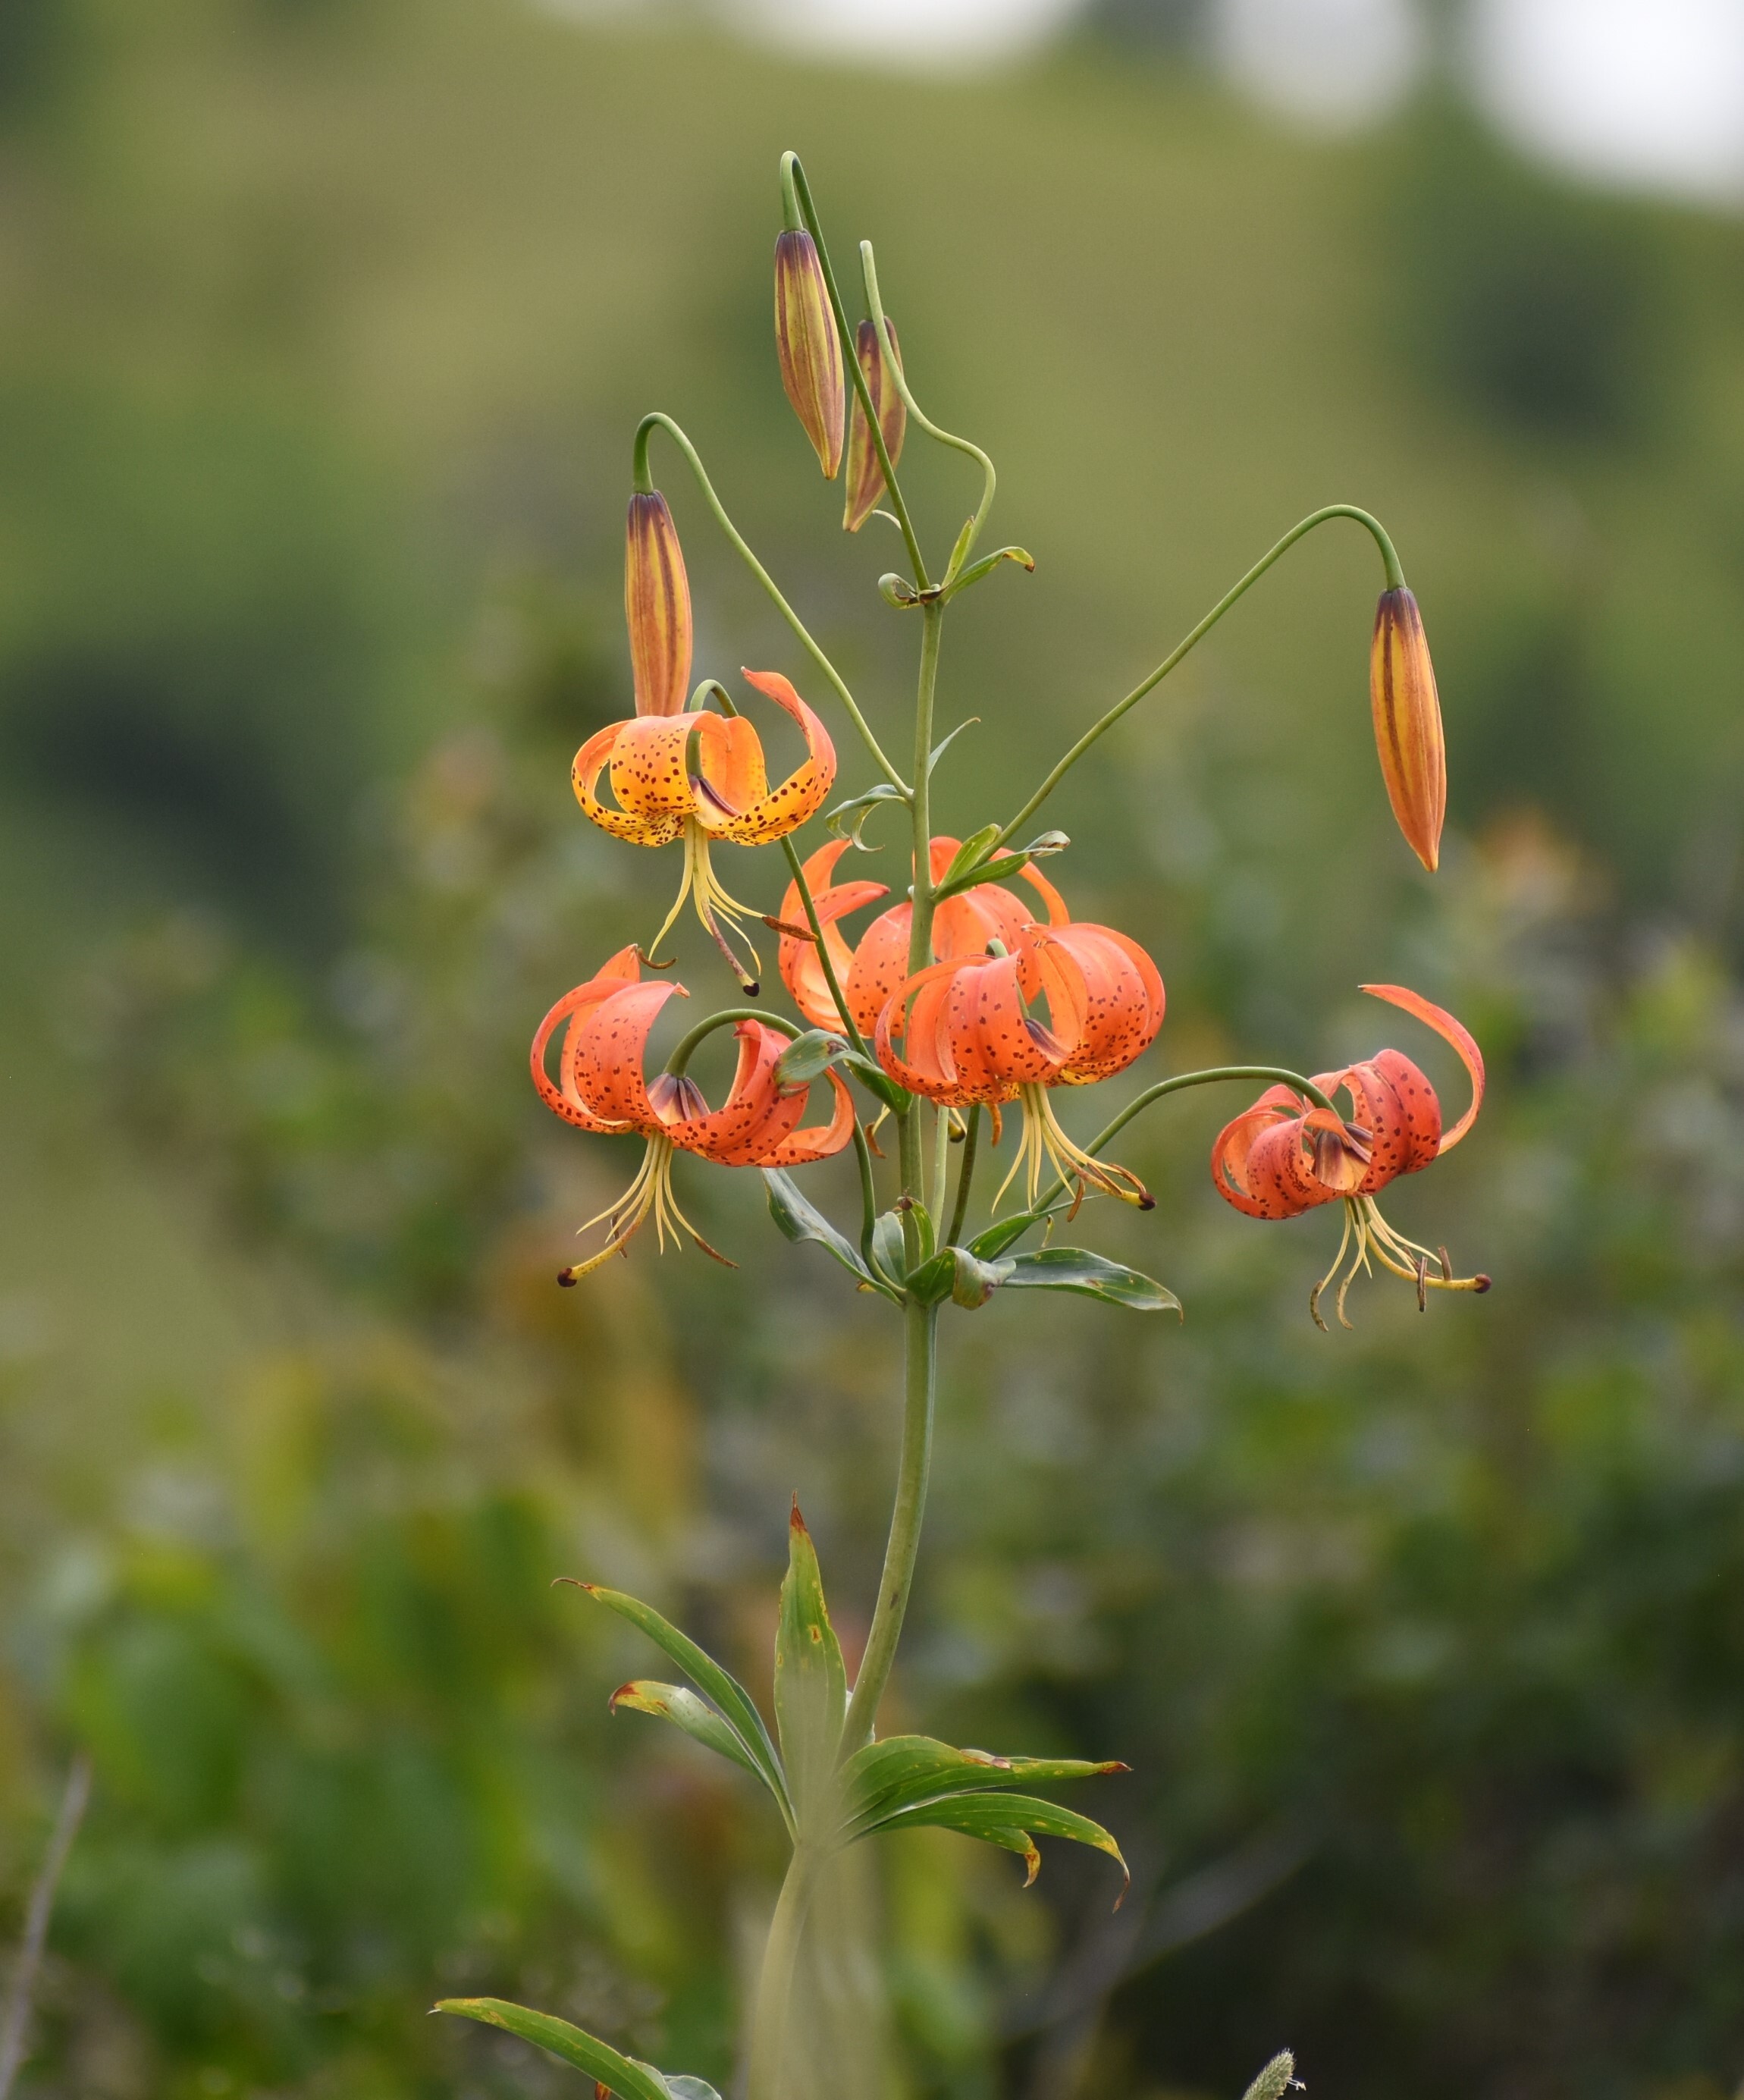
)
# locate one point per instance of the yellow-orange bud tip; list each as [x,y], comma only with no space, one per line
[1406,712]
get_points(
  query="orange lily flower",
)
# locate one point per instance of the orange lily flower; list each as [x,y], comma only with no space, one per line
[962,926]
[972,1037]
[600,1085]
[1280,1158]
[701,777]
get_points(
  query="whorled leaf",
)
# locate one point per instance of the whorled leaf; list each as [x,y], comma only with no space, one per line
[1090,1275]
[685,1709]
[620,2074]
[808,1057]
[847,819]
[798,1219]
[729,1696]
[900,1772]
[1013,1820]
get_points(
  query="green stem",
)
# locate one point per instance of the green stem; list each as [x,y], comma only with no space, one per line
[1275,1074]
[920,1357]
[1395,581]
[965,1177]
[989,479]
[794,182]
[644,431]
[816,924]
[781,1955]
[689,1044]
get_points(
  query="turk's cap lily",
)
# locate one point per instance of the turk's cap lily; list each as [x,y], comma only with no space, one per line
[656,606]
[667,769]
[602,1086]
[865,478]
[1408,734]
[807,343]
[970,1035]
[1282,1157]
[963,925]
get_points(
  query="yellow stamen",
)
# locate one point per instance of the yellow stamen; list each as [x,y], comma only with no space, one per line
[1424,1271]
[1044,1140]
[718,912]
[648,1195]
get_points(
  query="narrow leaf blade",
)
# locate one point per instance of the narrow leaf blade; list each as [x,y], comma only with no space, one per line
[622,2075]
[799,1220]
[714,1683]
[679,1705]
[1091,1276]
[995,1818]
[900,1771]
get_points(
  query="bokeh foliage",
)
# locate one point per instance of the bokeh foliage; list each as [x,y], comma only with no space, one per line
[329,325]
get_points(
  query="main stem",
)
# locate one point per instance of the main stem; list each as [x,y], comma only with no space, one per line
[769,2038]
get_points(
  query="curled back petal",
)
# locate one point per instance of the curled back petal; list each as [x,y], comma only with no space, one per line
[820,1140]
[637,827]
[805,790]
[927,1070]
[574,1009]
[880,966]
[1231,1155]
[801,971]
[1450,1031]
[756,1116]
[728,775]
[602,1060]
[1280,1170]
[995,1046]
[1122,993]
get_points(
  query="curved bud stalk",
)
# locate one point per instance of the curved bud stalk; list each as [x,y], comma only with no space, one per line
[656,606]
[1407,723]
[865,476]
[809,349]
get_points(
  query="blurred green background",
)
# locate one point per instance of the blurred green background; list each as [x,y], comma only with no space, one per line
[327,323]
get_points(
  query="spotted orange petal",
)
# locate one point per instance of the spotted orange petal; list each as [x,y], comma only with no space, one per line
[1450,1031]
[756,1117]
[821,1140]
[575,1008]
[805,790]
[638,826]
[801,971]
[603,1060]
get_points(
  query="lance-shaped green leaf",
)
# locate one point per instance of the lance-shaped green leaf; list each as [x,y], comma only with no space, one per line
[847,819]
[811,1682]
[683,2087]
[989,1245]
[680,1705]
[1092,1276]
[1013,1820]
[973,1281]
[622,2075]
[985,567]
[889,1250]
[947,740]
[876,1080]
[902,1772]
[808,1057]
[733,1701]
[974,849]
[800,1221]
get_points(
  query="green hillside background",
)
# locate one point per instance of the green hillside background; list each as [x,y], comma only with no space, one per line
[326,328]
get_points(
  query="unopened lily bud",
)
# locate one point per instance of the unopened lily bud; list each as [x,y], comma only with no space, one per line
[811,352]
[656,606]
[865,477]
[1407,723]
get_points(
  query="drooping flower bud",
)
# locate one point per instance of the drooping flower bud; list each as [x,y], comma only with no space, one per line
[1407,723]
[656,606]
[810,353]
[865,477]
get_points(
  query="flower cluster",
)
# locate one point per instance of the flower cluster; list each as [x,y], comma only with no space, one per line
[967,993]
